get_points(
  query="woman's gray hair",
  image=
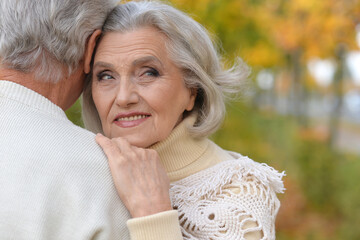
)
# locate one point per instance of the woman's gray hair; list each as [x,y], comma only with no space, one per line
[48,37]
[191,49]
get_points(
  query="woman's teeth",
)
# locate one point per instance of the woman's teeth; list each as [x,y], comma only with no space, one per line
[132,118]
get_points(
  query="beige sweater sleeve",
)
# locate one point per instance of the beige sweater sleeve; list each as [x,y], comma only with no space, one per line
[160,226]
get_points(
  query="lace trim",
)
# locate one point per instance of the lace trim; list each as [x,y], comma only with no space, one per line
[230,200]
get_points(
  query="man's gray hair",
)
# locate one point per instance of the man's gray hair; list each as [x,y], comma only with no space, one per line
[191,49]
[48,37]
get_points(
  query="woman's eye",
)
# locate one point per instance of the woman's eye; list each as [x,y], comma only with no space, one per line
[152,72]
[104,76]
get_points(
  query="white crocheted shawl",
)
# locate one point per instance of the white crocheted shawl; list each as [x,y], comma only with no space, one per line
[231,200]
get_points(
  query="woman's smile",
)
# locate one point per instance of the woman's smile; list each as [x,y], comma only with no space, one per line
[128,120]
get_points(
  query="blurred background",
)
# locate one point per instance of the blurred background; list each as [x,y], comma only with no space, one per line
[300,110]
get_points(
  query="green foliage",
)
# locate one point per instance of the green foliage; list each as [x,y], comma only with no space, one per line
[349,197]
[318,165]
[266,137]
[74,114]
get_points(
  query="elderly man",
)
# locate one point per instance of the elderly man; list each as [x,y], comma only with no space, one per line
[54,179]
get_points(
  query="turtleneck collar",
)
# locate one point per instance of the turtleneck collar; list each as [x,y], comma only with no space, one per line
[180,152]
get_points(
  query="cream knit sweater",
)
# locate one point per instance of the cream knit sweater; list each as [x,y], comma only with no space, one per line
[54,179]
[219,195]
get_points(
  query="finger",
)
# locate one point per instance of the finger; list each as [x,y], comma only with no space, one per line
[110,149]
[123,145]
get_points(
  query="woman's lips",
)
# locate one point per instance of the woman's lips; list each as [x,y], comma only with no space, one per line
[130,119]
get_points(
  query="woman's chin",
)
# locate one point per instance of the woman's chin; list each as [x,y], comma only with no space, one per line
[140,143]
[137,140]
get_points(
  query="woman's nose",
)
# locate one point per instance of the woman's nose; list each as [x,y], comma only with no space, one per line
[127,94]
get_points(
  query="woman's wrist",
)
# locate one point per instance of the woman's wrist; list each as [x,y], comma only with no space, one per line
[150,207]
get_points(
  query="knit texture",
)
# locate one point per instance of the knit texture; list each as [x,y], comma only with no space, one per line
[55,181]
[164,225]
[219,194]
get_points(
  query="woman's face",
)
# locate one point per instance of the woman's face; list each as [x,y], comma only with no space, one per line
[137,89]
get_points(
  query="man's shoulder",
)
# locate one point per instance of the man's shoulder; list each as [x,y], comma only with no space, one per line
[41,134]
[76,140]
[83,140]
[76,133]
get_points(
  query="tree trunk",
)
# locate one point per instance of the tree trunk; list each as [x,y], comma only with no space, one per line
[297,96]
[335,115]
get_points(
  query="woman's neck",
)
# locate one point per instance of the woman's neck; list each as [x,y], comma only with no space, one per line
[183,155]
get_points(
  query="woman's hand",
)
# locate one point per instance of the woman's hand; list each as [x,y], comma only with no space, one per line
[139,177]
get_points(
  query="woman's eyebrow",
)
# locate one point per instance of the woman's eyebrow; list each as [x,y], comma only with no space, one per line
[103,65]
[146,60]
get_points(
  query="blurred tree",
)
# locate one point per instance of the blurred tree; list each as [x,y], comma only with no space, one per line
[265,32]
[335,115]
[281,34]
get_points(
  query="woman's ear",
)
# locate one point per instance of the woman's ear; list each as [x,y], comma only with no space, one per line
[89,50]
[193,94]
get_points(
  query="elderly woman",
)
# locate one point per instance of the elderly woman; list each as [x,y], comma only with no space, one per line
[157,90]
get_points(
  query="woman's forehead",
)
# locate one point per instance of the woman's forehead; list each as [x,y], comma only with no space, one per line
[136,46]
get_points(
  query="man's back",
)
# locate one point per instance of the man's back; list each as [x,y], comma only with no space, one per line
[54,179]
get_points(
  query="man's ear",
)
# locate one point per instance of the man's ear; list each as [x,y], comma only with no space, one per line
[90,46]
